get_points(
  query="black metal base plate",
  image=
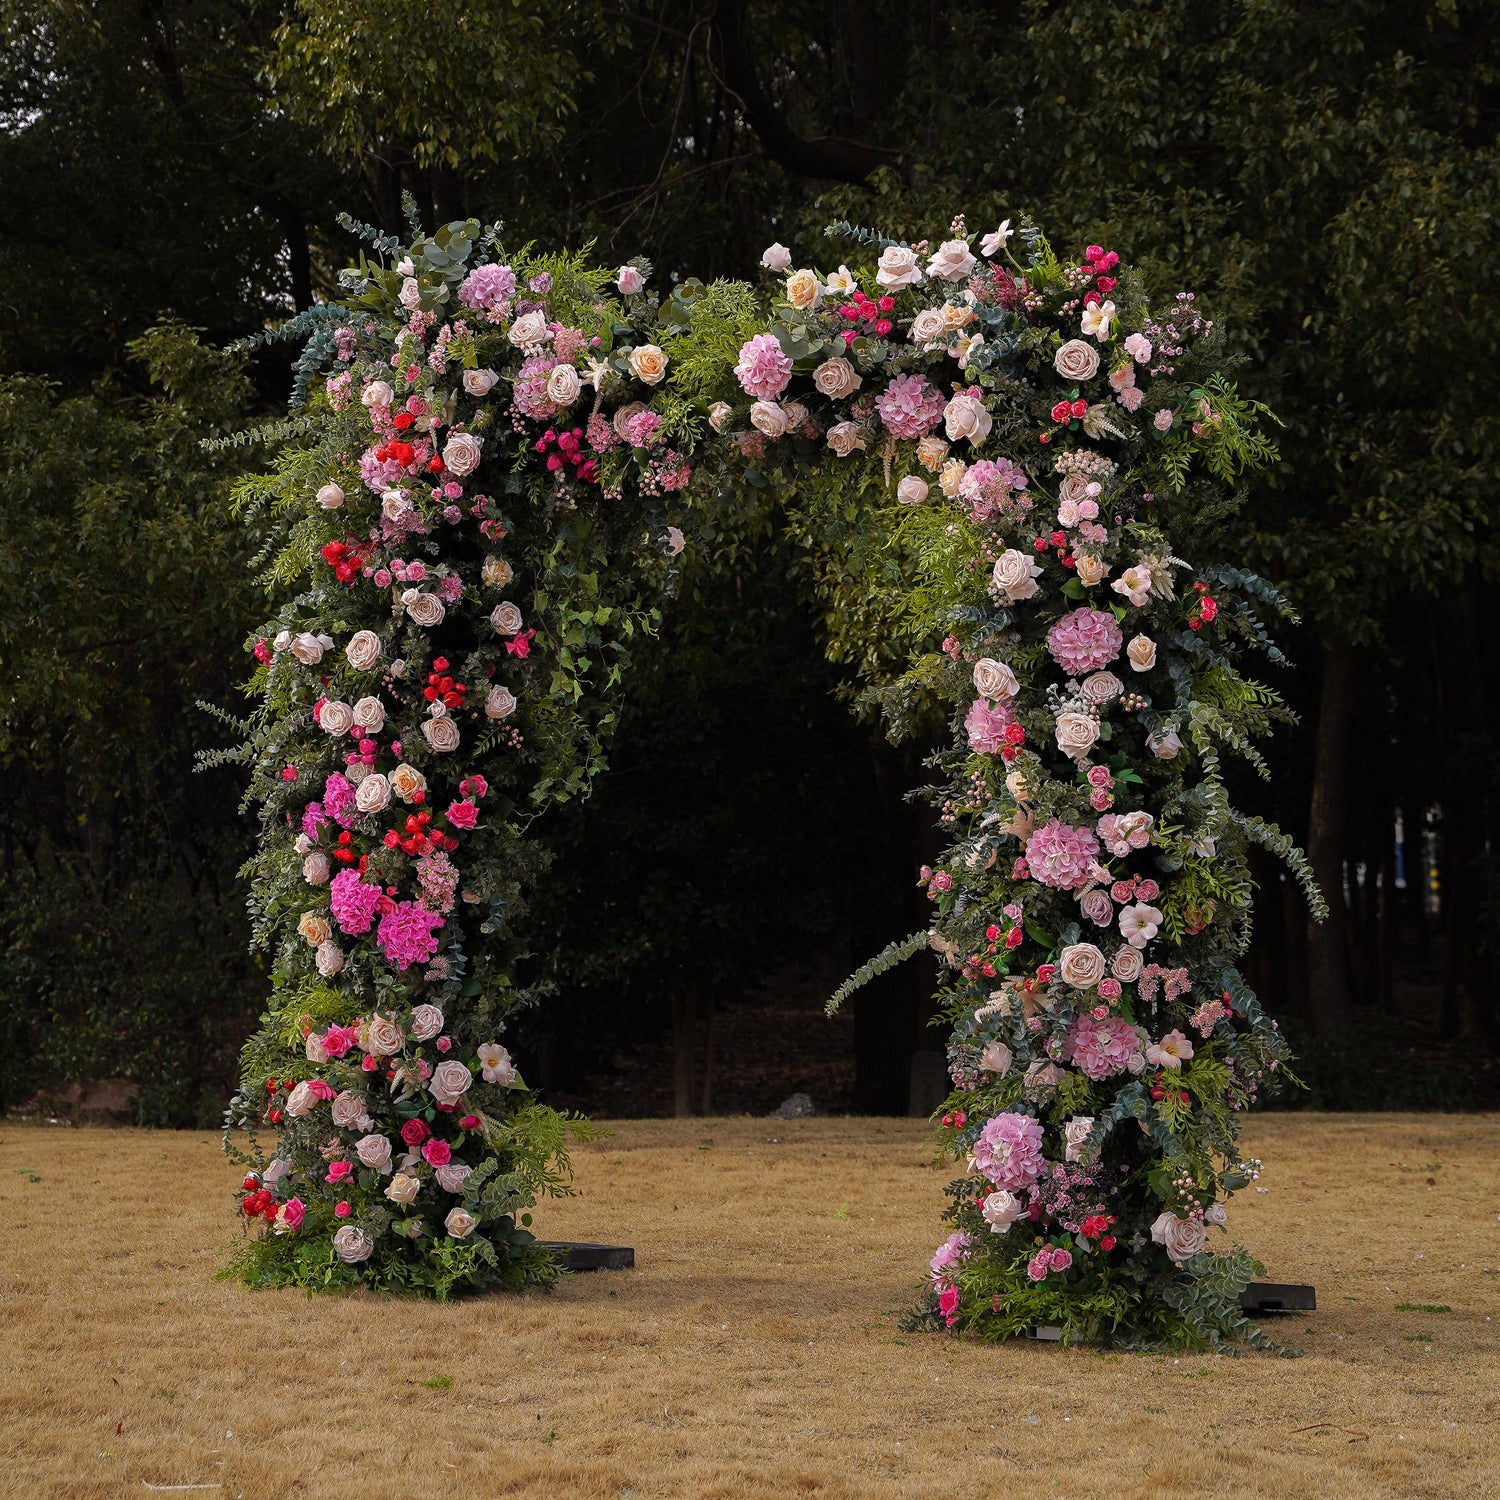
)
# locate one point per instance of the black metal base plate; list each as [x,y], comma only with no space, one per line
[1278,1296]
[581,1256]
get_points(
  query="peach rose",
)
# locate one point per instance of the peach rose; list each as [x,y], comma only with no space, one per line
[952,476]
[529,331]
[898,267]
[377,393]
[767,417]
[408,783]
[314,929]
[844,438]
[1015,575]
[802,289]
[402,1188]
[1182,1239]
[374,1151]
[460,1223]
[837,378]
[308,648]
[993,679]
[931,452]
[335,717]
[648,364]
[1126,964]
[1092,571]
[329,959]
[383,1038]
[1142,653]
[497,572]
[719,414]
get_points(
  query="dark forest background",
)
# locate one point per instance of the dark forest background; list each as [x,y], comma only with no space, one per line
[1324,177]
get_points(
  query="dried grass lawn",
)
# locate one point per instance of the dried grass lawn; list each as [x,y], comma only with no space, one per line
[755,1350]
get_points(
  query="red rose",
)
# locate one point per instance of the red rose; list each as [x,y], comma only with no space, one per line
[414,1132]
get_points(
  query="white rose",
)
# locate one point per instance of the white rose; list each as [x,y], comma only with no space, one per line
[563,385]
[363,650]
[411,294]
[442,734]
[898,267]
[377,393]
[1181,1238]
[336,717]
[911,490]
[500,703]
[836,377]
[330,497]
[529,331]
[953,259]
[1015,575]
[426,1022]
[497,572]
[1076,360]
[996,1058]
[929,324]
[460,1222]
[1081,965]
[348,1109]
[426,610]
[1163,743]
[301,1100]
[394,504]
[402,1188]
[1142,653]
[648,364]
[844,438]
[374,793]
[767,417]
[352,1244]
[1001,1209]
[993,679]
[629,281]
[1076,733]
[307,648]
[452,1176]
[776,257]
[369,714]
[802,289]
[461,454]
[1076,1134]
[965,417]
[506,618]
[315,868]
[374,1151]
[450,1081]
[479,382]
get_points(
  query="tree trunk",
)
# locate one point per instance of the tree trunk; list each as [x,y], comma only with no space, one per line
[684,1035]
[706,1102]
[1329,1003]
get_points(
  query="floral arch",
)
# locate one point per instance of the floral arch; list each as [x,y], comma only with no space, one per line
[1014,475]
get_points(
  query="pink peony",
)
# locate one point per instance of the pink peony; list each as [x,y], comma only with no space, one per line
[910,407]
[1009,1151]
[353,901]
[987,486]
[986,724]
[405,934]
[1084,640]
[1061,856]
[530,389]
[1100,1049]
[763,368]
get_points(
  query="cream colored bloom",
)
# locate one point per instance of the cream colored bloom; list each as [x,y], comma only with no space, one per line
[993,679]
[363,650]
[965,417]
[1081,965]
[1142,653]
[648,364]
[931,452]
[844,438]
[1076,361]
[530,332]
[330,496]
[352,1244]
[836,377]
[402,1188]
[499,703]
[1091,571]
[460,1223]
[995,1058]
[369,714]
[1096,320]
[1076,1134]
[1001,1209]
[768,418]
[952,261]
[329,959]
[450,1081]
[1181,1238]
[314,929]
[497,572]
[335,717]
[505,618]
[563,385]
[911,490]
[426,1022]
[927,326]
[383,1038]
[461,454]
[377,393]
[495,1064]
[952,476]
[1076,733]
[479,382]
[301,1101]
[374,1151]
[1015,575]
[898,267]
[442,734]
[718,414]
[426,610]
[315,870]
[802,290]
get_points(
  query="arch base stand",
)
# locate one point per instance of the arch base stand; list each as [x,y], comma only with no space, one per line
[579,1255]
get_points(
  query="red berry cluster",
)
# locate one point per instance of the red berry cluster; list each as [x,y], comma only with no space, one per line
[568,452]
[1159,1091]
[346,558]
[957,1120]
[345,854]
[441,686]
[1101,262]
[1203,609]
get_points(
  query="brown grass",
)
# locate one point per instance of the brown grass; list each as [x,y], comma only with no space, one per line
[755,1350]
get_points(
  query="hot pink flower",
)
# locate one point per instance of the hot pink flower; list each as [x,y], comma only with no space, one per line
[437,1153]
[339,1171]
[463,814]
[353,902]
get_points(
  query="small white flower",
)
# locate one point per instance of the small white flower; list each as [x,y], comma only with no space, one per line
[994,242]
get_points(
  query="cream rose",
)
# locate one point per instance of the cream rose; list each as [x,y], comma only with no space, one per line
[450,1081]
[719,414]
[1164,744]
[836,377]
[795,413]
[506,618]
[461,454]
[1076,1134]
[460,1222]
[402,1188]
[314,929]
[315,868]
[1142,653]
[1015,575]
[1081,965]
[952,476]
[529,331]
[931,452]
[373,794]
[374,1151]
[307,648]
[426,1022]
[301,1100]
[408,783]
[442,734]
[479,382]
[410,295]
[383,1038]
[499,703]
[993,679]
[1092,571]
[1074,489]
[844,438]
[335,717]
[952,260]
[329,959]
[1101,687]
[648,364]
[802,289]
[621,419]
[767,417]
[1126,964]
[369,714]
[331,496]
[965,417]
[776,257]
[929,324]
[1018,786]
[912,491]
[1076,360]
[563,385]
[1001,1209]
[996,1058]
[363,650]
[377,393]
[452,1176]
[348,1109]
[426,610]
[898,267]
[1182,1239]
[497,572]
[352,1244]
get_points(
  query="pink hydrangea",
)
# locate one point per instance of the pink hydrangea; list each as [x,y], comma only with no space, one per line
[313,816]
[641,429]
[1100,1049]
[405,934]
[1085,640]
[378,474]
[986,723]
[910,407]
[953,1249]
[1009,1151]
[987,486]
[488,288]
[531,388]
[763,367]
[1059,855]
[354,901]
[437,878]
[338,800]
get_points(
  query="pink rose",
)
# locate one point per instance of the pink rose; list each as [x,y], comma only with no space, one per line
[463,814]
